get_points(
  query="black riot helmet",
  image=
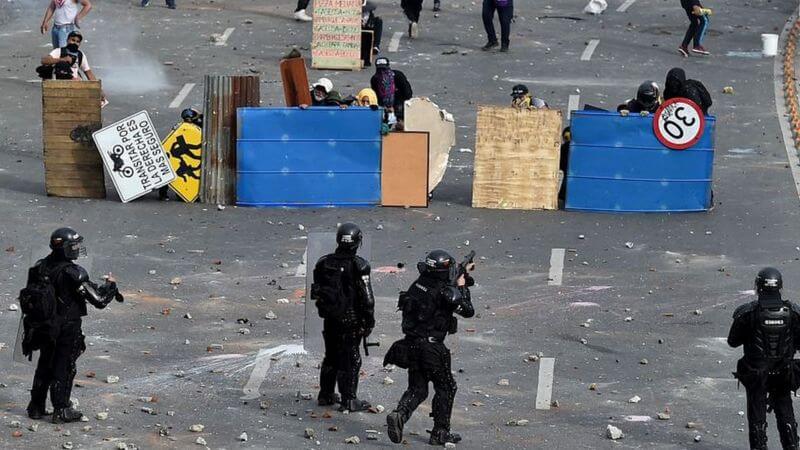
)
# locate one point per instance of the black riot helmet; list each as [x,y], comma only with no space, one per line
[192,115]
[439,264]
[647,94]
[348,236]
[66,243]
[519,91]
[768,281]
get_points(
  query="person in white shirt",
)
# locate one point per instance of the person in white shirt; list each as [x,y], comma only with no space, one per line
[71,55]
[66,16]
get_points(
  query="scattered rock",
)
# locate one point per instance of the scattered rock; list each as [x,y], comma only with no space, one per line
[15,424]
[503,382]
[148,410]
[282,301]
[593,387]
[693,425]
[13,307]
[580,236]
[697,438]
[352,440]
[33,427]
[101,416]
[310,433]
[663,416]
[175,281]
[16,434]
[388,381]
[629,244]
[270,315]
[200,441]
[614,433]
[698,312]
[584,341]
[518,422]
[532,358]
[196,428]
[301,227]
[243,437]
[244,330]
[629,319]
[554,404]
[449,445]
[111,379]
[727,90]
[634,399]
[187,316]
[379,227]
[644,361]
[67,445]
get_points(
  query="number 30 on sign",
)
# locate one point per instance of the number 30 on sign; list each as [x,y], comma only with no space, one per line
[679,123]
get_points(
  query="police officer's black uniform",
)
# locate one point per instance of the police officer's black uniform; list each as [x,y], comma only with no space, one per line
[428,308]
[343,294]
[768,328]
[61,340]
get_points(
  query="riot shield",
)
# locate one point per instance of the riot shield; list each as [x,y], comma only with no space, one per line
[319,245]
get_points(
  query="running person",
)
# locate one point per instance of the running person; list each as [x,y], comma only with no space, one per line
[698,26]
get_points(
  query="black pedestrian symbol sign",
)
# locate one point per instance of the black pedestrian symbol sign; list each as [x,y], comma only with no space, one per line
[184,148]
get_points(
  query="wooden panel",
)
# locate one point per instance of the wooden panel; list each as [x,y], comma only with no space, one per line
[72,169]
[404,169]
[424,115]
[295,82]
[516,158]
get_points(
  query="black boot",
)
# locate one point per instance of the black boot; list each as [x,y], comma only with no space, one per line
[36,408]
[437,6]
[354,405]
[36,411]
[489,45]
[395,422]
[441,436]
[788,433]
[328,399]
[66,415]
[758,436]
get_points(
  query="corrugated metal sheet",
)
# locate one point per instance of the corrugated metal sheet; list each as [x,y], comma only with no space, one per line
[313,157]
[617,164]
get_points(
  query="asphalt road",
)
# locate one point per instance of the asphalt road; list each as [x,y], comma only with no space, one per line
[678,284]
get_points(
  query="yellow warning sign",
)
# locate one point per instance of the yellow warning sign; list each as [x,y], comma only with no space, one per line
[183,146]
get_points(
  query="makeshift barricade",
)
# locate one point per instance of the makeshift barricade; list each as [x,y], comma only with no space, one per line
[618,164]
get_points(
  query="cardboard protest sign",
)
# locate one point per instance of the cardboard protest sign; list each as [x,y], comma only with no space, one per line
[133,156]
[184,146]
[336,35]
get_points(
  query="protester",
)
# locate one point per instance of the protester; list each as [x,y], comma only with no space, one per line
[71,55]
[412,10]
[393,89]
[170,3]
[647,99]
[521,98]
[437,5]
[300,12]
[677,85]
[371,22]
[322,94]
[698,25]
[367,97]
[66,16]
[505,12]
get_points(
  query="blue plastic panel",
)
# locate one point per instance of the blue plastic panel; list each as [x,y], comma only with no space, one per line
[315,157]
[617,164]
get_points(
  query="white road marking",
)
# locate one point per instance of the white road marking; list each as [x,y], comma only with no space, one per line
[624,7]
[394,43]
[182,95]
[573,105]
[263,361]
[224,39]
[556,267]
[544,391]
[302,267]
[587,52]
[788,142]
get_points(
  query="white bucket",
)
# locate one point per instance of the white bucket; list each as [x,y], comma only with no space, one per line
[770,44]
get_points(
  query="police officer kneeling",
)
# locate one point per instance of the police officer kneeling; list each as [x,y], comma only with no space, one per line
[343,294]
[52,303]
[768,329]
[428,308]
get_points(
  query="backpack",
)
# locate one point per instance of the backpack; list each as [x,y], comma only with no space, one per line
[333,288]
[45,71]
[38,299]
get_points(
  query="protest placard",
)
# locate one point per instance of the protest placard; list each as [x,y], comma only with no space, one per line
[336,35]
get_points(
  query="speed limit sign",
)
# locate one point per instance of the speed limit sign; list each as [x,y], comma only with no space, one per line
[679,123]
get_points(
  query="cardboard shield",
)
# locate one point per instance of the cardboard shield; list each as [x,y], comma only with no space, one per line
[184,147]
[319,245]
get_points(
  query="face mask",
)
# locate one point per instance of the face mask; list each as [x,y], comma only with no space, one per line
[319,95]
[72,48]
[364,19]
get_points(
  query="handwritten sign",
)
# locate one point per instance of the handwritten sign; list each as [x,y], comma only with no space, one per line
[336,36]
[133,156]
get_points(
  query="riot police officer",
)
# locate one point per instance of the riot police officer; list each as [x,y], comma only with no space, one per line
[768,329]
[53,303]
[342,291]
[428,306]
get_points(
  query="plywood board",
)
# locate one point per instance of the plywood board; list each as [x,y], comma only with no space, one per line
[336,34]
[404,169]
[421,114]
[72,166]
[516,158]
[296,90]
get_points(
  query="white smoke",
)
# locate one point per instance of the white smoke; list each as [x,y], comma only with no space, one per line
[115,50]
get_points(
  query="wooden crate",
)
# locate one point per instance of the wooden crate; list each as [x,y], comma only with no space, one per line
[73,167]
[516,158]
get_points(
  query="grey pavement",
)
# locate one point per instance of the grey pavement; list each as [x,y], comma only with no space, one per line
[678,284]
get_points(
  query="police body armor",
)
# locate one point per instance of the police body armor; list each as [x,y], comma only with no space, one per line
[424,313]
[334,289]
[772,339]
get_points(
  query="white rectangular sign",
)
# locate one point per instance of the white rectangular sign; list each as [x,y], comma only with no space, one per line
[133,156]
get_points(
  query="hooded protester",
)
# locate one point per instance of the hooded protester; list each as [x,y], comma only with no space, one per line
[392,87]
[648,99]
[367,97]
[676,85]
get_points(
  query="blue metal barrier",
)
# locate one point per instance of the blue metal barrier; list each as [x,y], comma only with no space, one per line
[315,157]
[616,164]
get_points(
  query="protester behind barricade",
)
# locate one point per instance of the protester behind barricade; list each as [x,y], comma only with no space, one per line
[66,16]
[367,97]
[521,98]
[371,22]
[67,63]
[677,85]
[647,100]
[698,26]
[393,90]
[322,94]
